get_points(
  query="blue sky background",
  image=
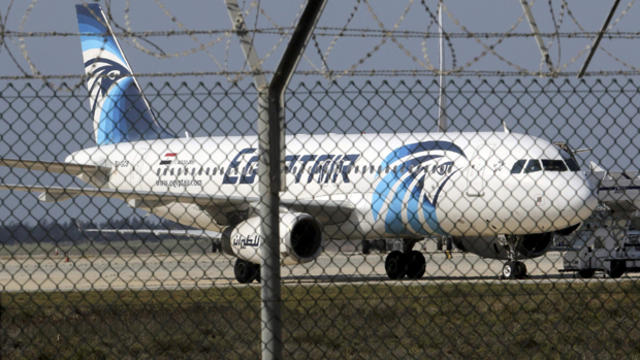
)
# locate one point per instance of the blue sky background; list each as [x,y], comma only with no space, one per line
[60,55]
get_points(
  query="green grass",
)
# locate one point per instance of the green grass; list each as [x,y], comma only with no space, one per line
[575,320]
[100,248]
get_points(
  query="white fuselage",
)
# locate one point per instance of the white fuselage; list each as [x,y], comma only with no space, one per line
[402,185]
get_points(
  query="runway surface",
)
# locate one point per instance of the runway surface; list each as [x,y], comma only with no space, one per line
[204,270]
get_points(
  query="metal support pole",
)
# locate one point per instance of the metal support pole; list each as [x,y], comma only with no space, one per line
[534,28]
[442,116]
[246,43]
[271,160]
[596,41]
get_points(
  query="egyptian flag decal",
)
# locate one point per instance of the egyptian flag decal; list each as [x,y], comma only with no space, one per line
[168,158]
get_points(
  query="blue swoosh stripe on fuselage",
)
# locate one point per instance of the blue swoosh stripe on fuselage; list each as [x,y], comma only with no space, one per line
[386,184]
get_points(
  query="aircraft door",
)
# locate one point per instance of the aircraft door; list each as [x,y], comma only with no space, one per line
[476,183]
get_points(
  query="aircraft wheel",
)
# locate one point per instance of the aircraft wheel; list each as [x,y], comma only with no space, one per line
[509,270]
[416,264]
[618,268]
[521,270]
[586,273]
[257,272]
[245,271]
[366,247]
[395,265]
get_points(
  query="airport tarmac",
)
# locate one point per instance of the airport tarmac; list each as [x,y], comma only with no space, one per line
[187,271]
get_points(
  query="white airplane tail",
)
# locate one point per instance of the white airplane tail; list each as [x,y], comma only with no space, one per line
[119,109]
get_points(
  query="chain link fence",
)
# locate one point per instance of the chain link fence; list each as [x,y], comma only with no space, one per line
[513,234]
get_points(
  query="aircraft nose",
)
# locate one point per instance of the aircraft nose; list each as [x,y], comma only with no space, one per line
[585,201]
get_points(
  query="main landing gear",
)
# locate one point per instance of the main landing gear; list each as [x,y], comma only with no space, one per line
[409,263]
[513,269]
[246,271]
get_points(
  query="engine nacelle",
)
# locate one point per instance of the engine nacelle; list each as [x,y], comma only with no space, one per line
[300,239]
[529,246]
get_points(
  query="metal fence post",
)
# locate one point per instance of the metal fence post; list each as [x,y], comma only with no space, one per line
[271,131]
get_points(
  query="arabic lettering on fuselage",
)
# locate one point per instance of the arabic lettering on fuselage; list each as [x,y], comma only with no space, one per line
[319,168]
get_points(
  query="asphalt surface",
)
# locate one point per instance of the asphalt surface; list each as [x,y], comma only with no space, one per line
[204,270]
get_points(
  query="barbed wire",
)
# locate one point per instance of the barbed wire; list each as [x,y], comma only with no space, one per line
[324,31]
[321,64]
[347,72]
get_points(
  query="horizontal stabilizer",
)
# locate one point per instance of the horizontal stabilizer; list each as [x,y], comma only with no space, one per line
[55,167]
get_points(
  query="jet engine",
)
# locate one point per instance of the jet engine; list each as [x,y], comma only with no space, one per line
[300,239]
[528,246]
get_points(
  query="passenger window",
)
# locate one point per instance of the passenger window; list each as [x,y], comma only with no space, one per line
[517,167]
[554,165]
[532,166]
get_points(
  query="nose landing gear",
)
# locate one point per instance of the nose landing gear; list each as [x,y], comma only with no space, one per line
[513,269]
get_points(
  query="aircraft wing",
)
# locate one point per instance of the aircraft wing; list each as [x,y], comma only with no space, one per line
[325,211]
[192,233]
[55,167]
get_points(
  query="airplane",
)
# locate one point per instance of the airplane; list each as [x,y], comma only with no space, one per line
[501,195]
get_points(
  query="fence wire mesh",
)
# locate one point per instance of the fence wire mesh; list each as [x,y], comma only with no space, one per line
[130,231]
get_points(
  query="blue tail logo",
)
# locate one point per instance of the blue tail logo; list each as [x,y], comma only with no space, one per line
[119,109]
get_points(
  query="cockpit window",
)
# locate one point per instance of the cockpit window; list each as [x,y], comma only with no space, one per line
[554,165]
[570,160]
[532,166]
[572,164]
[517,167]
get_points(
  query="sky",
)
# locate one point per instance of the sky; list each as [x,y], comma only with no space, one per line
[182,53]
[609,127]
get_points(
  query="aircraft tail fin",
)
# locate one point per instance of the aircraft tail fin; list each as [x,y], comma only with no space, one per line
[119,110]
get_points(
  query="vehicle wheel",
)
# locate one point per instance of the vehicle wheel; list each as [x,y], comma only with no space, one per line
[244,271]
[618,267]
[586,273]
[416,264]
[395,265]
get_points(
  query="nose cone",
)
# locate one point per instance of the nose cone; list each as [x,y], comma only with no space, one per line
[574,202]
[585,202]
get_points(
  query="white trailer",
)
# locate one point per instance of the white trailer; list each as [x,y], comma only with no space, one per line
[607,241]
